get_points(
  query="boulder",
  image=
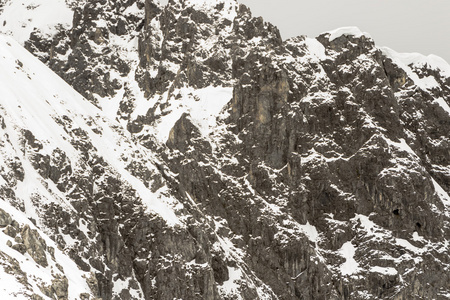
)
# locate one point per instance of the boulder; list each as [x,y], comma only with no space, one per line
[35,245]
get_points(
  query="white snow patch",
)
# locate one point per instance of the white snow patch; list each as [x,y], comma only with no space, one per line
[316,48]
[134,10]
[402,145]
[203,106]
[384,270]
[407,245]
[350,266]
[443,195]
[404,60]
[416,237]
[20,17]
[101,23]
[444,294]
[294,228]
[110,105]
[366,223]
[437,62]
[231,286]
[228,11]
[431,61]
[119,285]
[310,231]
[211,102]
[371,228]
[346,31]
[405,147]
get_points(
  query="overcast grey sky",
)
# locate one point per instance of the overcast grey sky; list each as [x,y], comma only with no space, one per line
[403,25]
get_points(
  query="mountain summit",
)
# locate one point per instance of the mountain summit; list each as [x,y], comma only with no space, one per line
[187,152]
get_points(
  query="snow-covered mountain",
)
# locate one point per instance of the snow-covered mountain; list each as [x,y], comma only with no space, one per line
[187,152]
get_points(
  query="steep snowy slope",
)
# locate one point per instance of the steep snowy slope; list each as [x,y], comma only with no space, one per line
[72,176]
[32,264]
[219,162]
[20,18]
[50,136]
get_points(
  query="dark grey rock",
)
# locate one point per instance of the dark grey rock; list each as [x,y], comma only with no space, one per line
[5,218]
[20,248]
[60,287]
[35,245]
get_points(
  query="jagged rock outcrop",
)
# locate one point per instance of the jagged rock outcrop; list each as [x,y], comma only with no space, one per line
[35,245]
[223,162]
[5,218]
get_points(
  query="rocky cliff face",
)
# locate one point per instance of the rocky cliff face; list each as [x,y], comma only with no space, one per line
[206,158]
